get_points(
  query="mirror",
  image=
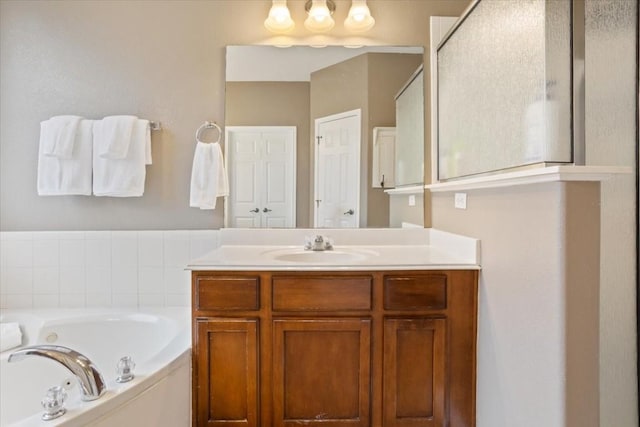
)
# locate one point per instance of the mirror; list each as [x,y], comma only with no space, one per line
[268,86]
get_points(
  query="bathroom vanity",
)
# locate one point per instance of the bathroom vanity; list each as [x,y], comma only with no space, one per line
[360,335]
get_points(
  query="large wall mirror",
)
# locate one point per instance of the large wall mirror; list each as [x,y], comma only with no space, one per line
[292,114]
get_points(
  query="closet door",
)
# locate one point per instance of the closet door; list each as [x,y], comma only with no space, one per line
[261,168]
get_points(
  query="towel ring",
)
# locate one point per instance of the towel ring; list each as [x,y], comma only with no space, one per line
[208,125]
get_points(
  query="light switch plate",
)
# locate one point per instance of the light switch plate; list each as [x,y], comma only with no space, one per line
[412,200]
[460,200]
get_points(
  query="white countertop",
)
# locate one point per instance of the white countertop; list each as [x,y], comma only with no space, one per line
[353,250]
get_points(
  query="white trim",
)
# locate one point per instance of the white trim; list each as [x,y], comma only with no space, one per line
[411,189]
[532,176]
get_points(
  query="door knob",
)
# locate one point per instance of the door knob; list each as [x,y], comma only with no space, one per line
[256,210]
[265,210]
[349,212]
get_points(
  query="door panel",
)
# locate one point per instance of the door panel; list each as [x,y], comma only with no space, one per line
[338,170]
[261,164]
[414,372]
[227,372]
[322,372]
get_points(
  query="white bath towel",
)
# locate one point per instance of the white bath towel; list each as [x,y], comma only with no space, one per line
[208,176]
[59,176]
[10,336]
[123,177]
[58,134]
[113,136]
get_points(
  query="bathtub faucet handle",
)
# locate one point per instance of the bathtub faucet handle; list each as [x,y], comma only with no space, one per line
[53,403]
[124,369]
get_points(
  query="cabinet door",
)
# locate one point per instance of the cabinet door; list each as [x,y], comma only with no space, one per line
[322,372]
[226,373]
[414,372]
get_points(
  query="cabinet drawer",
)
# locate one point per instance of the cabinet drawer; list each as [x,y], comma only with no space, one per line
[415,292]
[322,294]
[227,293]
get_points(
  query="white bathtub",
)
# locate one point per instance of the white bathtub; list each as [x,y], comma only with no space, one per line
[159,342]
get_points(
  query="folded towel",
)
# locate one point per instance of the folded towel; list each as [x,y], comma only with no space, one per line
[10,336]
[58,136]
[114,136]
[123,177]
[59,176]
[208,176]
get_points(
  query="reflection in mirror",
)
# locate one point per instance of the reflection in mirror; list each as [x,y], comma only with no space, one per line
[311,89]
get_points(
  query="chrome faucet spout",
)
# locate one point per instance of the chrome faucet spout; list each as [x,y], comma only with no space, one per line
[318,243]
[92,383]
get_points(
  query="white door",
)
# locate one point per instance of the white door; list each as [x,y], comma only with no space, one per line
[262,179]
[337,178]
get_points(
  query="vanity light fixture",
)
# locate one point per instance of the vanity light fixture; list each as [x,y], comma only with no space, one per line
[279,19]
[319,19]
[359,19]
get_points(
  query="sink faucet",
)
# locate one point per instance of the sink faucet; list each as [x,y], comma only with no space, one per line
[318,243]
[92,383]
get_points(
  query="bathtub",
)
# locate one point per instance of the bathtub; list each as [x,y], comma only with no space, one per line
[159,342]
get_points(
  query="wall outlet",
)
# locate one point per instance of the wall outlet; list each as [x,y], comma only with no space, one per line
[412,200]
[460,200]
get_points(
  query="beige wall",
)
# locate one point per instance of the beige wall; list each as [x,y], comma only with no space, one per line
[161,60]
[276,104]
[400,211]
[538,302]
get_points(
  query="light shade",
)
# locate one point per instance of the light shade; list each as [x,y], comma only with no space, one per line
[359,19]
[319,19]
[279,19]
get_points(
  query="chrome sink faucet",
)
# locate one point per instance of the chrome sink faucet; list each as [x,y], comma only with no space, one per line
[318,243]
[92,384]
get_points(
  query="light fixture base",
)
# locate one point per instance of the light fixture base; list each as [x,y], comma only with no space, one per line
[331,5]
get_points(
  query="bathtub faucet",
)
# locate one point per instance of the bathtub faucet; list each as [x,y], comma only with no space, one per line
[92,383]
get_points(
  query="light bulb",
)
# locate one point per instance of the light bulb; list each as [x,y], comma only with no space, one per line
[279,19]
[359,19]
[319,19]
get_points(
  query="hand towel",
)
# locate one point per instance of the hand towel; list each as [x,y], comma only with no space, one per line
[10,336]
[58,135]
[123,177]
[208,176]
[58,176]
[114,135]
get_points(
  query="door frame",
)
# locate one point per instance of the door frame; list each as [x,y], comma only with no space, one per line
[358,113]
[227,164]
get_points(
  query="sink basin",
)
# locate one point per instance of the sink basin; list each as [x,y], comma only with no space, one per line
[340,256]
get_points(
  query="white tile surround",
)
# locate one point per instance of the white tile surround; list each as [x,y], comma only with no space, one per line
[76,269]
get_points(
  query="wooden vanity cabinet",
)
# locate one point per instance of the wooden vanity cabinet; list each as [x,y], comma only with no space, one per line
[337,349]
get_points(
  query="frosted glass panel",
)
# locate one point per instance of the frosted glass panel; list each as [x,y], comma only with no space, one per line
[610,40]
[504,88]
[409,149]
